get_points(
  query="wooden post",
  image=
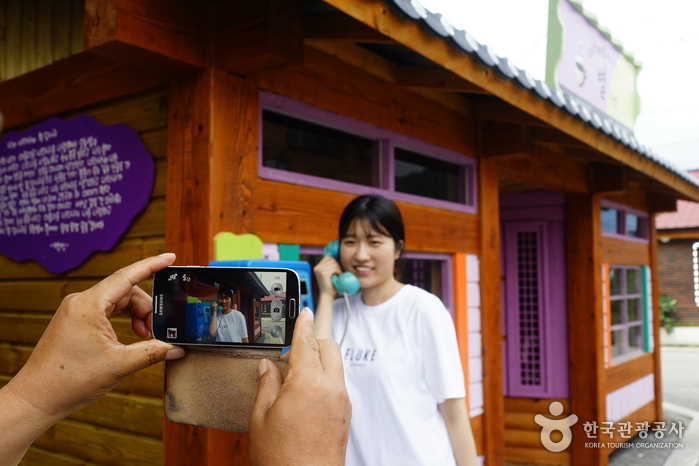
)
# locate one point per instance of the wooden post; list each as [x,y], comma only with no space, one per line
[587,377]
[655,302]
[212,156]
[491,315]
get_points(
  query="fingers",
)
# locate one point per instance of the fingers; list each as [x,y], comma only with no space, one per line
[140,355]
[268,390]
[304,352]
[331,358]
[138,303]
[121,283]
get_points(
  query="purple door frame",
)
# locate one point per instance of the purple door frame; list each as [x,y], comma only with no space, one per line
[535,350]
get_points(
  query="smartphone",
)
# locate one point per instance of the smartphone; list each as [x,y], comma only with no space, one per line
[225,306]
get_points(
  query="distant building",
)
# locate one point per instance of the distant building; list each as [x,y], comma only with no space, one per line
[678,260]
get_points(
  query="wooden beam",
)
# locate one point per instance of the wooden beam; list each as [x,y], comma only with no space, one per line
[661,202]
[620,375]
[375,14]
[607,178]
[153,34]
[555,136]
[255,37]
[435,78]
[70,84]
[546,169]
[491,316]
[502,112]
[212,156]
[504,140]
[585,339]
[342,28]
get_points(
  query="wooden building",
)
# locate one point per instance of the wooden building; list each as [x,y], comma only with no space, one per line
[269,116]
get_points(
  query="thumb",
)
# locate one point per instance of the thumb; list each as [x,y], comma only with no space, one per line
[267,391]
[143,354]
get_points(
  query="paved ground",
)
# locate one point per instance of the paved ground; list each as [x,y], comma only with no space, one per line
[680,373]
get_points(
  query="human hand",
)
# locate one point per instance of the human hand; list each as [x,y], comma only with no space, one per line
[324,270]
[305,419]
[79,358]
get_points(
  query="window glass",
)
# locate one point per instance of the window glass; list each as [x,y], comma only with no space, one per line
[616,343]
[635,338]
[615,281]
[298,146]
[616,312]
[632,281]
[632,225]
[423,273]
[610,220]
[634,310]
[428,177]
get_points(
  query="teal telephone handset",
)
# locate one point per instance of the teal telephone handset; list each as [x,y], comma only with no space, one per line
[345,282]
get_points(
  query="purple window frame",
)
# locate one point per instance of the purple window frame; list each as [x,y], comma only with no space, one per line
[625,325]
[384,175]
[447,276]
[622,211]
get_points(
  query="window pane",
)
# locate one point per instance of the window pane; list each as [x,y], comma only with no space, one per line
[428,177]
[610,220]
[633,281]
[616,312]
[635,338]
[616,343]
[301,147]
[423,273]
[634,310]
[632,224]
[615,281]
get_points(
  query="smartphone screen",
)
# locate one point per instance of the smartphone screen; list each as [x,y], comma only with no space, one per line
[225,306]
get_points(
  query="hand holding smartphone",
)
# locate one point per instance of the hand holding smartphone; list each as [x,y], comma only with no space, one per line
[225,306]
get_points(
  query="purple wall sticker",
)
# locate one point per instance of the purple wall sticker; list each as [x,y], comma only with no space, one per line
[70,188]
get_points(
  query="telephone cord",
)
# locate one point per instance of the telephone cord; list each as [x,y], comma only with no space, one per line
[347,306]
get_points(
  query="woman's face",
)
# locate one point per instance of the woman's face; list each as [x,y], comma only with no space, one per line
[368,254]
[225,302]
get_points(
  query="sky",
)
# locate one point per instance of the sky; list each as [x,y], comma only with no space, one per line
[661,34]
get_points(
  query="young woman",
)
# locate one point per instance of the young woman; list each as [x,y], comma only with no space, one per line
[401,361]
[228,324]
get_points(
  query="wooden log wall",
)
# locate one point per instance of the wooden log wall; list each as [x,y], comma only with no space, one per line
[523,435]
[36,33]
[125,427]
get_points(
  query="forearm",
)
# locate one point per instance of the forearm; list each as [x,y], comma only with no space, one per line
[22,424]
[213,325]
[324,317]
[459,428]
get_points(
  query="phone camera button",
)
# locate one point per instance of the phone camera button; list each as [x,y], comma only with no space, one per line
[293,308]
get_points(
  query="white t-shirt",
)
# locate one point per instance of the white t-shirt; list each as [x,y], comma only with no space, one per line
[231,327]
[401,360]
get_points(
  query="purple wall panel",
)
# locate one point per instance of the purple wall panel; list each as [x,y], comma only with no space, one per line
[534,299]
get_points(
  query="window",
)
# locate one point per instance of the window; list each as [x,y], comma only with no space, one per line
[431,272]
[626,310]
[623,222]
[305,145]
